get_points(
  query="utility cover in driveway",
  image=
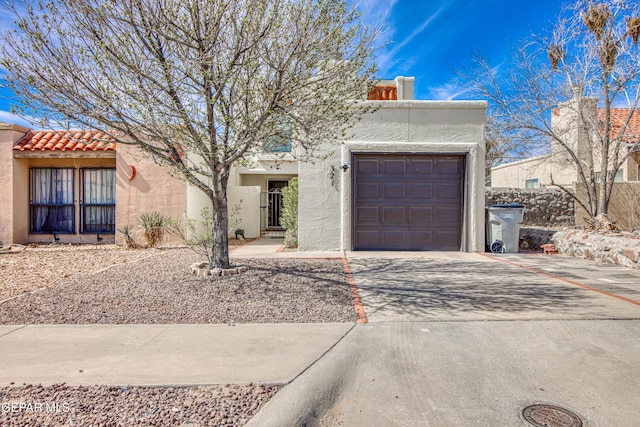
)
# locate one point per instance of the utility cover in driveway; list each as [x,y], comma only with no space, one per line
[407,202]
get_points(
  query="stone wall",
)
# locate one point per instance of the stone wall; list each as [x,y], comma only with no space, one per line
[613,248]
[531,238]
[544,207]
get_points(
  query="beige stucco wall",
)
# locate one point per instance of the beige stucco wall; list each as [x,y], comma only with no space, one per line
[152,189]
[632,168]
[246,198]
[20,201]
[261,181]
[624,207]
[514,175]
[9,135]
[429,127]
[247,217]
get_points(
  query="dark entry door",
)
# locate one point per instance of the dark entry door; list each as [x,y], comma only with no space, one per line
[407,202]
[274,202]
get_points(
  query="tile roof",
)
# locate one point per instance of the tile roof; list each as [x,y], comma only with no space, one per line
[618,119]
[383,93]
[75,140]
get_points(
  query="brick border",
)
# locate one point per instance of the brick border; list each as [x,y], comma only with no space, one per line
[355,295]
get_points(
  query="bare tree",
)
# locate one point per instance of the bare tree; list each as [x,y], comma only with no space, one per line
[589,65]
[198,84]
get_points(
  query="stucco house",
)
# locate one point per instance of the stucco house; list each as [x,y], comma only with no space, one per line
[410,178]
[538,171]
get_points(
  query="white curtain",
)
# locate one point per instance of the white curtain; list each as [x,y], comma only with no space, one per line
[99,199]
[52,208]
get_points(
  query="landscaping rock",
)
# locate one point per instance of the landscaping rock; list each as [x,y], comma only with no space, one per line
[153,290]
[217,405]
[620,248]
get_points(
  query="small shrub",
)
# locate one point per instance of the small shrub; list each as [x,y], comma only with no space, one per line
[289,217]
[127,233]
[239,232]
[154,225]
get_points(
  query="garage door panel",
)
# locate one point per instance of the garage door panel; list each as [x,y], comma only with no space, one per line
[367,190]
[448,191]
[421,190]
[368,239]
[368,214]
[394,215]
[443,240]
[420,215]
[394,239]
[394,190]
[420,240]
[446,216]
[422,166]
[448,167]
[407,201]
[394,166]
[367,166]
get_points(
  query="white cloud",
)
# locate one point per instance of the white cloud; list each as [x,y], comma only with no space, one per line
[390,58]
[449,91]
[7,117]
[376,12]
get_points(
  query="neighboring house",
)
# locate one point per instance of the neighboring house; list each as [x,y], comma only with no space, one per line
[77,187]
[538,171]
[410,178]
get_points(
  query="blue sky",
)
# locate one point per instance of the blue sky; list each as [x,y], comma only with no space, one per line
[429,39]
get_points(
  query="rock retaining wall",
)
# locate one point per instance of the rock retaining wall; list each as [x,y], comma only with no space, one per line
[546,207]
[532,238]
[614,248]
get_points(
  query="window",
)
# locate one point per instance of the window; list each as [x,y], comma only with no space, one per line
[98,210]
[617,178]
[279,143]
[532,183]
[52,209]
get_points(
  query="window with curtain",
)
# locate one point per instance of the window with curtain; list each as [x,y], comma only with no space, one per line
[52,209]
[98,210]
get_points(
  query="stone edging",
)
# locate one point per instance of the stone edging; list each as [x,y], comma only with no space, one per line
[202,269]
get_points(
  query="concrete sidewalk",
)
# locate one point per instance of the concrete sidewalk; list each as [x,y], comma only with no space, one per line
[163,354]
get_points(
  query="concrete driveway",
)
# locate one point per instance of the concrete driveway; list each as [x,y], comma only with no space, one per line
[461,286]
[471,340]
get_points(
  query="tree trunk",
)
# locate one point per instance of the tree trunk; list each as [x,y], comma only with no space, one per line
[220,220]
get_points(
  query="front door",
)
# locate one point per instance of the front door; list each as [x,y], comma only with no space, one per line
[274,202]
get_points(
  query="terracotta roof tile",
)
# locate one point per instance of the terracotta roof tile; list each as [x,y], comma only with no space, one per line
[383,93]
[631,132]
[52,140]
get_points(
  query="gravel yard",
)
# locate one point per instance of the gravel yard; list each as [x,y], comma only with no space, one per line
[108,285]
[157,287]
[231,405]
[43,266]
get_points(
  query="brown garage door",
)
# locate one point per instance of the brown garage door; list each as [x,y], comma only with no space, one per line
[407,202]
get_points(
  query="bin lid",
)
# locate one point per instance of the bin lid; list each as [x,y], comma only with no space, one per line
[509,205]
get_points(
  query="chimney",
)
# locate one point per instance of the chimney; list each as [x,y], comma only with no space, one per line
[405,87]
